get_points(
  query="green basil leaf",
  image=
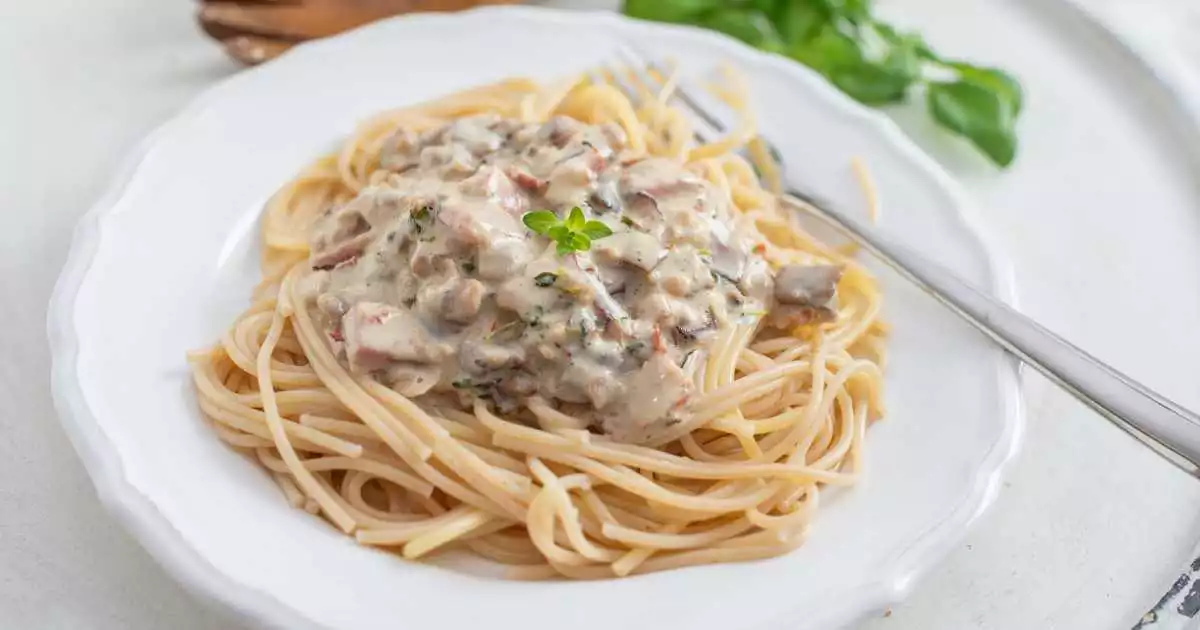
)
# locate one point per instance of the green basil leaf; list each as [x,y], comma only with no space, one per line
[855,11]
[596,230]
[768,7]
[540,221]
[873,84]
[981,115]
[575,221]
[909,41]
[994,79]
[574,242]
[669,10]
[828,51]
[558,233]
[749,25]
[580,242]
[799,21]
[904,59]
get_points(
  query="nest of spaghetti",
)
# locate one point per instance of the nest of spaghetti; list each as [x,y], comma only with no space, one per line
[434,361]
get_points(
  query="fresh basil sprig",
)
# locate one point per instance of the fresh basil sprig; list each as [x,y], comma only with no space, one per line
[573,234]
[866,58]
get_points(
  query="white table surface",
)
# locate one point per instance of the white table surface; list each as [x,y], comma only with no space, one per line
[1089,528]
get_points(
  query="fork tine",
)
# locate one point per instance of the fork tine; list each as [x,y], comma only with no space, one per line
[637,66]
[594,76]
[712,124]
[687,96]
[681,91]
[613,77]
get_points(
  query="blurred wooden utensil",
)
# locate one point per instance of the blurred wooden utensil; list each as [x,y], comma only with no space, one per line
[253,31]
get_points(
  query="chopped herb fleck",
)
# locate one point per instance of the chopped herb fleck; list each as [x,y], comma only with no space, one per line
[686,357]
[422,218]
[585,329]
[463,383]
[534,319]
[545,279]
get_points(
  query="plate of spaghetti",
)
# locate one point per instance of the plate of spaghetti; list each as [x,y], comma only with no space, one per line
[372,331]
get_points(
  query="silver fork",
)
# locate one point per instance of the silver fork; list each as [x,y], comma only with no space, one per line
[1167,428]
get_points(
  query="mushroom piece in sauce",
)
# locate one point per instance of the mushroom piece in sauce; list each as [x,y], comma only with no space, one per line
[806,293]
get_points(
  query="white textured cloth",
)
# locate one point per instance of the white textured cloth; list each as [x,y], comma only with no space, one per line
[1082,537]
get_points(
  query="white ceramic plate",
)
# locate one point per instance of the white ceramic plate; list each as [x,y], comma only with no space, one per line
[164,262]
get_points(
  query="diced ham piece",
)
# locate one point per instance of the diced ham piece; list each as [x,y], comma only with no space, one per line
[343,252]
[614,136]
[378,335]
[340,237]
[521,295]
[428,257]
[594,160]
[477,356]
[501,258]
[659,177]
[331,305]
[559,130]
[473,224]
[452,159]
[634,248]
[571,180]
[525,179]
[462,302]
[519,384]
[682,272]
[475,133]
[596,381]
[654,396]
[399,151]
[493,183]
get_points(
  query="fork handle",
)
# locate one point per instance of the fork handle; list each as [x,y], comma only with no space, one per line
[1166,427]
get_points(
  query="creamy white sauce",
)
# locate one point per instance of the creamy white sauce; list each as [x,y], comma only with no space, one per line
[431,283]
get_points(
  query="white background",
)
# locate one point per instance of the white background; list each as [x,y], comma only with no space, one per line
[1089,528]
